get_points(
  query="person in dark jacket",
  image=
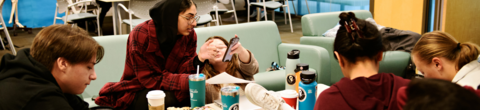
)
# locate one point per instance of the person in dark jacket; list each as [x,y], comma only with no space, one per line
[359,50]
[47,76]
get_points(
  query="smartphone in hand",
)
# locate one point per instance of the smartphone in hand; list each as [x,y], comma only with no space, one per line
[227,57]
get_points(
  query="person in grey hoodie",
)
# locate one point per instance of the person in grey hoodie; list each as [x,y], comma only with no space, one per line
[47,76]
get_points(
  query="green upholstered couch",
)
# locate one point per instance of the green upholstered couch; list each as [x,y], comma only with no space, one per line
[314,25]
[261,38]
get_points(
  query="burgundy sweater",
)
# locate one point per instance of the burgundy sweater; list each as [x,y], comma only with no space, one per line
[377,92]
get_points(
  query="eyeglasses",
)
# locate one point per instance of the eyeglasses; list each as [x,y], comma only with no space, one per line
[191,19]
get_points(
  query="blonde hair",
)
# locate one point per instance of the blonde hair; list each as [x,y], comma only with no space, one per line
[72,43]
[441,44]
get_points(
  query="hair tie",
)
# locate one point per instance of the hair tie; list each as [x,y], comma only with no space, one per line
[458,45]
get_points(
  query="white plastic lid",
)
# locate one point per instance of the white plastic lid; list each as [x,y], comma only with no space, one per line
[289,94]
[155,94]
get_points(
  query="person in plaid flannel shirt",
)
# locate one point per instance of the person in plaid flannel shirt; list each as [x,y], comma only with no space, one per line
[161,53]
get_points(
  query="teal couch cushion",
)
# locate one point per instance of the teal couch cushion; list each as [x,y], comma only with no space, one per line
[318,23]
[110,68]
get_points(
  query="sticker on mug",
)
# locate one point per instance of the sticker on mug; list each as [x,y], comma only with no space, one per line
[302,95]
[234,107]
[291,79]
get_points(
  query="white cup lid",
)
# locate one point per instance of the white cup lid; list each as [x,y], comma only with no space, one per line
[155,94]
[289,94]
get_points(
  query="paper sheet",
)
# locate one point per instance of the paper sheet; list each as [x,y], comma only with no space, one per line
[226,78]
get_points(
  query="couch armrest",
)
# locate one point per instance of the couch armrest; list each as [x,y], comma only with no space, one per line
[273,80]
[317,58]
[110,69]
[327,43]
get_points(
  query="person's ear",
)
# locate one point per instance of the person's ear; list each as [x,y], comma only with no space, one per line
[438,63]
[379,56]
[62,64]
[339,58]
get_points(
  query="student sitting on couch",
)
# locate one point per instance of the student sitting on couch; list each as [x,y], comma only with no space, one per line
[161,53]
[243,66]
[438,55]
[359,50]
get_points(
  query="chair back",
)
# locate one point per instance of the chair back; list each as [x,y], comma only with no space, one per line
[62,6]
[204,6]
[1,5]
[224,1]
[141,8]
[75,6]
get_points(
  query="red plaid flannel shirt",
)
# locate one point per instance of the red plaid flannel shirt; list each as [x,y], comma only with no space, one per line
[146,68]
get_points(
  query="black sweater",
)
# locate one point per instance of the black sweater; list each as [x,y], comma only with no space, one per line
[26,84]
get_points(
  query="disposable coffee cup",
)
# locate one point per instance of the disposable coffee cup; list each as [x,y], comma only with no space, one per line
[156,100]
[290,97]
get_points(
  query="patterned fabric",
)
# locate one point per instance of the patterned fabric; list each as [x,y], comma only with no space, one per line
[146,68]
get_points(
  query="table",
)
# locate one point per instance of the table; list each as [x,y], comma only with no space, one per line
[115,14]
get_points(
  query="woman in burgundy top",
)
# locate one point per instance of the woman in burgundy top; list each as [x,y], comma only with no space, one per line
[161,53]
[358,49]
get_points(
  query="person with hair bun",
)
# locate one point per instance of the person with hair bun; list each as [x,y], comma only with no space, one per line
[438,55]
[358,49]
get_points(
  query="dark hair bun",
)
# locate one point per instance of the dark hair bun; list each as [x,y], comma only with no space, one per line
[347,17]
[351,45]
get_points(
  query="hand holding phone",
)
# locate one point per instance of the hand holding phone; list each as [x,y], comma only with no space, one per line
[228,57]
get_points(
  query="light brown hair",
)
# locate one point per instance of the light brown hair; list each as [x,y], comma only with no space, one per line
[72,43]
[232,67]
[441,44]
